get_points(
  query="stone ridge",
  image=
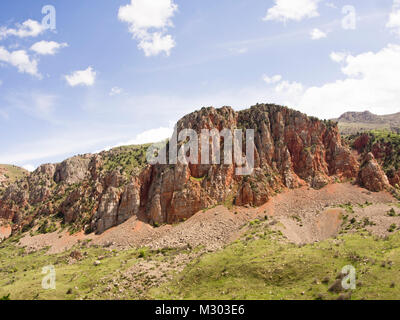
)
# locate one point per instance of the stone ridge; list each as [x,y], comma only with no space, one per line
[96,192]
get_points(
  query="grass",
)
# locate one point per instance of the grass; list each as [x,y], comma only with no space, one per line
[21,277]
[353,128]
[194,179]
[348,207]
[127,159]
[391,213]
[13,173]
[262,267]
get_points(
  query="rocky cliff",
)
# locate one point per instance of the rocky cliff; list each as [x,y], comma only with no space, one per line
[96,192]
[384,148]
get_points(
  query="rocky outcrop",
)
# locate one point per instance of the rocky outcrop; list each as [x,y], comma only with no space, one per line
[97,192]
[371,175]
[291,150]
[385,148]
[73,170]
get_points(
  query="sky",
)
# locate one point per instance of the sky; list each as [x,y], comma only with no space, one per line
[81,77]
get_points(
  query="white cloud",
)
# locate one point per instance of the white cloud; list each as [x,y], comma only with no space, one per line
[47,47]
[292,10]
[372,82]
[29,167]
[284,92]
[29,28]
[394,18]
[331,5]
[317,34]
[21,60]
[59,146]
[148,136]
[148,21]
[115,91]
[157,43]
[290,88]
[273,79]
[81,77]
[338,56]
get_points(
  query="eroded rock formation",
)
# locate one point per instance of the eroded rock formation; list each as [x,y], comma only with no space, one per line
[96,192]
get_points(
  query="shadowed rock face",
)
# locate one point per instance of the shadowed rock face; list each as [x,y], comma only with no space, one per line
[291,150]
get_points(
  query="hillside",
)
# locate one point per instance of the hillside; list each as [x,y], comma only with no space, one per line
[117,227]
[355,122]
[10,174]
[96,192]
[292,247]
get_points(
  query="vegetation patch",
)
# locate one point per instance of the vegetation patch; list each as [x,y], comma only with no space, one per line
[261,267]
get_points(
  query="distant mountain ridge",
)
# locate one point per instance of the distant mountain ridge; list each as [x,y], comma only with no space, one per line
[353,122]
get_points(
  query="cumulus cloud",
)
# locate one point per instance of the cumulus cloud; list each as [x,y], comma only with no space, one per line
[157,43]
[290,88]
[47,47]
[21,60]
[148,22]
[371,82]
[81,77]
[148,136]
[29,167]
[338,56]
[394,18]
[282,91]
[273,79]
[29,28]
[317,34]
[292,10]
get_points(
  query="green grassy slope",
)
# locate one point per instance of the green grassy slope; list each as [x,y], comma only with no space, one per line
[261,267]
[12,173]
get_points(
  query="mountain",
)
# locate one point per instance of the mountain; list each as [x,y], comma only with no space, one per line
[353,122]
[10,174]
[95,192]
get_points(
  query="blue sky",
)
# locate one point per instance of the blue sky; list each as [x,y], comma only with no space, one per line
[124,71]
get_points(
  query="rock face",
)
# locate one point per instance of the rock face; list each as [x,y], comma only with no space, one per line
[291,150]
[96,192]
[371,175]
[385,148]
